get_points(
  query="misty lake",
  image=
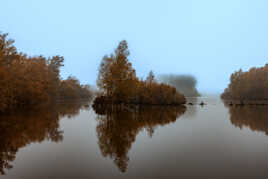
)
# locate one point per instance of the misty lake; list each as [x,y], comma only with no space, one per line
[72,141]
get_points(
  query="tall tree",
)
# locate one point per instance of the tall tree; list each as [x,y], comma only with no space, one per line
[116,76]
[104,80]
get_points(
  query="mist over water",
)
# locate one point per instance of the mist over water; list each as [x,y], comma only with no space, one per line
[213,141]
[79,97]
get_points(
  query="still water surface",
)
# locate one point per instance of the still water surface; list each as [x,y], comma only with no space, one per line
[71,141]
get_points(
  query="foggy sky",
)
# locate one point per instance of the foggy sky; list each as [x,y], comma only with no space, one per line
[208,39]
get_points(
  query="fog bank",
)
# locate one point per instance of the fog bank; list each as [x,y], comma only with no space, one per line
[185,84]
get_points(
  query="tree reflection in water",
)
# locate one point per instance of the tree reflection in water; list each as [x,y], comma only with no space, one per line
[23,128]
[117,129]
[253,117]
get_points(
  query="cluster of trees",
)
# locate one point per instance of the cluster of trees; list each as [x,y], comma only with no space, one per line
[28,80]
[72,89]
[118,83]
[117,129]
[249,85]
[186,84]
[30,126]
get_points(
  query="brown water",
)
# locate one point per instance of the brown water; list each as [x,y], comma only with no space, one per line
[72,141]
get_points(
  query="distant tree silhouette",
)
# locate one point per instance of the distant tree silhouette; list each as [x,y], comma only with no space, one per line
[186,84]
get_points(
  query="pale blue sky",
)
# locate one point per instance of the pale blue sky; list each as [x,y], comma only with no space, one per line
[206,38]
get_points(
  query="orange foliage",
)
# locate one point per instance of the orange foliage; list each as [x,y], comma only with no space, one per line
[72,89]
[250,85]
[118,82]
[32,80]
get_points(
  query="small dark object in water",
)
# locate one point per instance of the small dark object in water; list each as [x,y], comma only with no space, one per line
[202,103]
[230,104]
[190,103]
[86,105]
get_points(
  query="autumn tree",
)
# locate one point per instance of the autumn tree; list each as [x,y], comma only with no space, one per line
[8,54]
[117,79]
[54,65]
[104,81]
[116,76]
[248,85]
[72,89]
[28,80]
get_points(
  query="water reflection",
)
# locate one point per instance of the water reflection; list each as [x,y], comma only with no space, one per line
[23,128]
[253,117]
[117,129]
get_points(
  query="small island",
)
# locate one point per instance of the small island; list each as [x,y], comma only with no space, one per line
[248,88]
[118,83]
